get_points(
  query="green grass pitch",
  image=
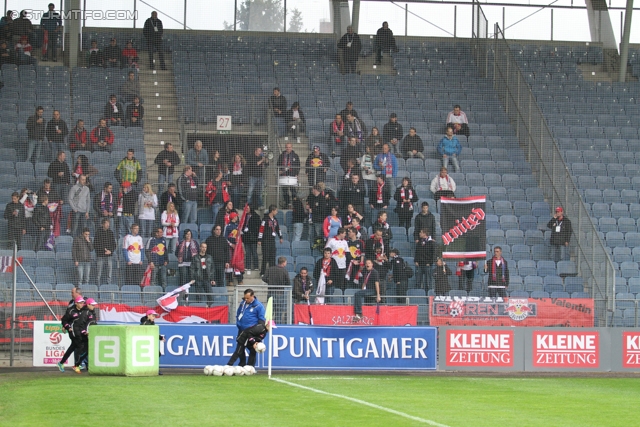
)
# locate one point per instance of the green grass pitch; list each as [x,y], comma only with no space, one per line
[55,399]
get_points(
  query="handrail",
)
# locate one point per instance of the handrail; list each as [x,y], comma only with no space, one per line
[554,177]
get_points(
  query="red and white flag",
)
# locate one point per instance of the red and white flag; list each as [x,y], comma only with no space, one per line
[237,259]
[146,277]
[122,313]
[169,301]
[6,264]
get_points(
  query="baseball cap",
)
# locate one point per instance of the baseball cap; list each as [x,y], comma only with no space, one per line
[91,301]
[150,312]
[316,147]
[233,215]
[79,298]
[559,209]
[126,184]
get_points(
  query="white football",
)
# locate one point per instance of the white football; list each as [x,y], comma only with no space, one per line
[208,370]
[238,370]
[260,347]
[229,371]
[249,370]
[218,370]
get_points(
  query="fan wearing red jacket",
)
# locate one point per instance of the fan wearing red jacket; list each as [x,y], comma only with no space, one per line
[102,137]
[217,193]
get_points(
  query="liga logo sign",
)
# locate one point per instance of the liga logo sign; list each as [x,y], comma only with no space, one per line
[479,348]
[50,343]
[572,349]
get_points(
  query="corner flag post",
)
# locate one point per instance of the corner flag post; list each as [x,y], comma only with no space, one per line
[269,320]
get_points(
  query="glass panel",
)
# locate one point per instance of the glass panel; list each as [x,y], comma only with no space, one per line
[435,20]
[304,16]
[220,20]
[170,13]
[259,15]
[579,25]
[118,13]
[371,14]
[34,8]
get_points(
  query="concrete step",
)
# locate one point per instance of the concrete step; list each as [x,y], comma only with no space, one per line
[367,65]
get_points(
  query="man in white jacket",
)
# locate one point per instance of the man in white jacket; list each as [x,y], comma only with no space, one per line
[80,202]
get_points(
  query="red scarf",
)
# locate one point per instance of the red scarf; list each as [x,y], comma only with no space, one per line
[358,275]
[237,167]
[379,194]
[389,165]
[351,216]
[378,256]
[326,267]
[212,190]
[337,129]
[440,185]
[402,196]
[495,269]
[78,170]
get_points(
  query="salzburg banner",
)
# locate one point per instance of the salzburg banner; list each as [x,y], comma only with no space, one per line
[181,314]
[463,227]
[473,311]
[342,315]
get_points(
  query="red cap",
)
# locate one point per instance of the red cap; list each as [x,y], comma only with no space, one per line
[233,215]
[126,184]
[559,209]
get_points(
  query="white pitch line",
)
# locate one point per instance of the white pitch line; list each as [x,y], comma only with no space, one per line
[362,402]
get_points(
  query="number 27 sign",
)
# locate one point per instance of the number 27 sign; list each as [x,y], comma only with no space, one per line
[223,124]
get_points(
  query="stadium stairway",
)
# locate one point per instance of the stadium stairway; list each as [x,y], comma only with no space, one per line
[367,65]
[161,118]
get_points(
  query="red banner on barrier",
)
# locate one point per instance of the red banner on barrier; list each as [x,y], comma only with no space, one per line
[473,311]
[27,312]
[342,315]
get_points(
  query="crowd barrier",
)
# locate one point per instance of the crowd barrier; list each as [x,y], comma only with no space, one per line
[394,348]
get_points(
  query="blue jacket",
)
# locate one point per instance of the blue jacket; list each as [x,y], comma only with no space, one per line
[449,146]
[394,163]
[248,315]
[157,250]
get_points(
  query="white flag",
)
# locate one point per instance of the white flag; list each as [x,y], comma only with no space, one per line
[169,301]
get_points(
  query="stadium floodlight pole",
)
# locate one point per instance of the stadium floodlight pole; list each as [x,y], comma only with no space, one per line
[13,302]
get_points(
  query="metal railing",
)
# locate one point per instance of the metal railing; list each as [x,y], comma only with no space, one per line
[480,24]
[552,173]
[200,113]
